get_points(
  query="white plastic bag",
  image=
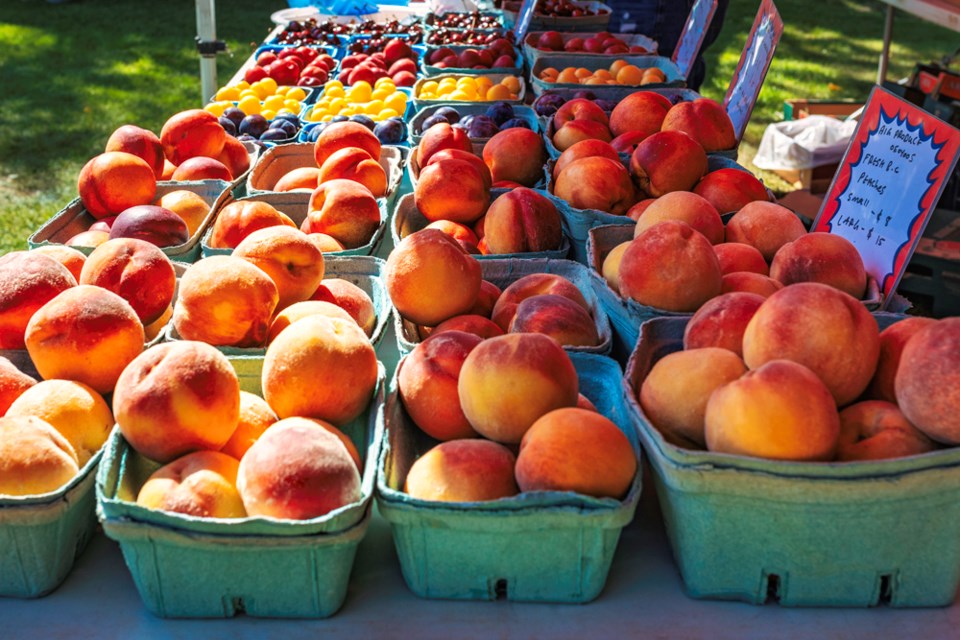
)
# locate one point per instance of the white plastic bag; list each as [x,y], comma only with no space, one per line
[810,142]
[447,6]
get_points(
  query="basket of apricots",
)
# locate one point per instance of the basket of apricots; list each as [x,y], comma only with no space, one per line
[492,87]
[652,72]
[380,101]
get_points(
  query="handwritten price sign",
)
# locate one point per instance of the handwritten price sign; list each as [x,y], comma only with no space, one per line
[888,183]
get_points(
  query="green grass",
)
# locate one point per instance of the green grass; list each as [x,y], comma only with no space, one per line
[72,73]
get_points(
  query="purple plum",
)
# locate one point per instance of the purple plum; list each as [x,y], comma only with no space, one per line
[547,104]
[390,132]
[253,125]
[451,114]
[432,120]
[500,112]
[513,123]
[482,127]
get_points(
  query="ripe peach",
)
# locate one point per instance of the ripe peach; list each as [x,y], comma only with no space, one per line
[300,178]
[28,280]
[67,256]
[765,226]
[705,121]
[579,130]
[610,269]
[239,219]
[685,207]
[736,256]
[355,164]
[720,322]
[156,225]
[88,238]
[822,328]
[516,154]
[189,206]
[225,301]
[464,235]
[34,457]
[670,266]
[139,142]
[668,161]
[730,189]
[641,111]
[463,471]
[486,299]
[256,416]
[440,137]
[427,384]
[175,398]
[345,210]
[596,183]
[637,210]
[528,286]
[168,169]
[86,334]
[287,255]
[430,278]
[926,381]
[234,157]
[459,154]
[201,484]
[522,221]
[780,410]
[469,323]
[508,382]
[320,367]
[326,243]
[202,168]
[152,330]
[351,299]
[341,135]
[114,181]
[892,341]
[876,430]
[13,383]
[192,133]
[747,282]
[303,309]
[584,149]
[583,402]
[577,450]
[135,270]
[451,190]
[628,142]
[821,257]
[558,317]
[674,394]
[579,109]
[297,471]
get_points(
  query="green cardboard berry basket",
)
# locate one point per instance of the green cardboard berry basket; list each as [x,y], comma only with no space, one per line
[296,205]
[546,546]
[364,271]
[851,534]
[189,567]
[503,273]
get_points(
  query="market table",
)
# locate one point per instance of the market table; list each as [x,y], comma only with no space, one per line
[943,13]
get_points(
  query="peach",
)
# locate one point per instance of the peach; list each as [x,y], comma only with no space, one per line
[507,383]
[596,183]
[139,142]
[579,109]
[685,207]
[28,280]
[13,383]
[301,310]
[469,156]
[670,266]
[345,210]
[583,402]
[628,142]
[175,398]
[926,381]
[610,269]
[748,282]
[320,367]
[730,190]
[821,257]
[135,270]
[440,137]
[189,206]
[574,449]
[288,256]
[579,130]
[705,121]
[675,392]
[522,221]
[451,190]
[584,149]
[720,322]
[299,178]
[355,164]
[637,210]
[427,384]
[67,256]
[822,328]
[736,256]
[202,484]
[156,225]
[114,181]
[641,111]
[464,235]
[297,471]
[234,157]
[351,448]
[192,133]
[473,324]
[34,457]
[86,334]
[239,219]
[256,416]
[152,330]
[558,317]
[516,154]
[463,471]
[351,299]
[765,226]
[486,299]
[202,168]
[478,227]
[668,161]
[89,238]
[341,135]
[225,301]
[535,284]
[326,243]
[780,411]
[877,430]
[892,341]
[430,278]
[168,169]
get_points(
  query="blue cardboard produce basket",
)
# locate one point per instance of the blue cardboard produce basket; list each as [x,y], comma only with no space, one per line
[467,109]
[534,547]
[420,103]
[670,70]
[542,22]
[841,534]
[430,70]
[531,53]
